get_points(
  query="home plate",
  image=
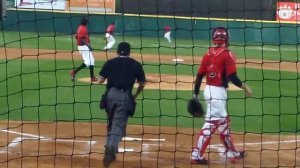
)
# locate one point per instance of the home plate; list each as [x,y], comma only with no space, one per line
[177,60]
[122,150]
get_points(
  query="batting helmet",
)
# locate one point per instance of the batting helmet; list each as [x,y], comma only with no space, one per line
[220,35]
[84,21]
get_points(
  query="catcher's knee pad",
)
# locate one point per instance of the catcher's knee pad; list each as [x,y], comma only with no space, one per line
[203,140]
[205,132]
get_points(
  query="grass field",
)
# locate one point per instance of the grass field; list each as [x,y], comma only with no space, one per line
[183,47]
[40,90]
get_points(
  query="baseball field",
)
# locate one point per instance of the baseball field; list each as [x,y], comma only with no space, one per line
[49,121]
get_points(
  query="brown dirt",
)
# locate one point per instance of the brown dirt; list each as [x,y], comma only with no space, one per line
[77,144]
[67,144]
[11,53]
[169,82]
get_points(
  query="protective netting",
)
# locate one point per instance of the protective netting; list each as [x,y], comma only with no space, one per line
[48,120]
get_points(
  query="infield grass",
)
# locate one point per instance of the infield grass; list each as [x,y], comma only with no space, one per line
[40,90]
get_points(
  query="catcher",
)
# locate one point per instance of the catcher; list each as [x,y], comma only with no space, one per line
[218,65]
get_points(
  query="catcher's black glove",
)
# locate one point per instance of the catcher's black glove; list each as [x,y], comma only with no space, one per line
[195,108]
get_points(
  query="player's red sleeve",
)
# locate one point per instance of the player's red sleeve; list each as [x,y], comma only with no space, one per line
[230,65]
[203,67]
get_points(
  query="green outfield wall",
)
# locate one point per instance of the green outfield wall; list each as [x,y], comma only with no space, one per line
[243,32]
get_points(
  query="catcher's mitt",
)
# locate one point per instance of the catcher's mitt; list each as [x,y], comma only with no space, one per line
[195,108]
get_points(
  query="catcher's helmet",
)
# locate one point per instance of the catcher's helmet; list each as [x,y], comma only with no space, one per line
[220,35]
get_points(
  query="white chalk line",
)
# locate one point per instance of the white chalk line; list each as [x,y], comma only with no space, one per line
[142,139]
[42,138]
[257,143]
[219,146]
[23,134]
[26,136]
[253,47]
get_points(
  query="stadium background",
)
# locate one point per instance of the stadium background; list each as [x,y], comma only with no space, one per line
[49,121]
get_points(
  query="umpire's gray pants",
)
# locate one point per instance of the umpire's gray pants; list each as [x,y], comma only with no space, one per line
[117,116]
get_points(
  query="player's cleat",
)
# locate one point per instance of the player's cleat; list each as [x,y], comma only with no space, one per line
[109,156]
[72,74]
[237,158]
[94,79]
[202,161]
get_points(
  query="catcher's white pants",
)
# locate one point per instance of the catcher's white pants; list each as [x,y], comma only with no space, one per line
[216,119]
[168,36]
[87,55]
[110,41]
[206,133]
[216,99]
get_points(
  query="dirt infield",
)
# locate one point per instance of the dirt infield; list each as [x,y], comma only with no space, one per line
[169,82]
[80,145]
[11,53]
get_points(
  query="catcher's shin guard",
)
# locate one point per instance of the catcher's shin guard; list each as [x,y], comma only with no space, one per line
[227,141]
[203,140]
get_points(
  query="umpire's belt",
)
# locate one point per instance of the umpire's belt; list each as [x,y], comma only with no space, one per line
[120,90]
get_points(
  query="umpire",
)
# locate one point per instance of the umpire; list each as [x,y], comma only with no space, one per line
[121,73]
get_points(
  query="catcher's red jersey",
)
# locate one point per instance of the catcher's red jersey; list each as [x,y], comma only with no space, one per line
[110,29]
[82,33]
[217,64]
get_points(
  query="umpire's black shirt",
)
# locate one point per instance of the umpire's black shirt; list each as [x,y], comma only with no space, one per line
[122,72]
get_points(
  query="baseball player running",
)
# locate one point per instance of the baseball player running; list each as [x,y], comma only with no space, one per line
[109,38]
[218,65]
[84,48]
[168,33]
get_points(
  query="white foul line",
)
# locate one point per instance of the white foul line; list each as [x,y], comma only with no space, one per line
[218,146]
[142,139]
[257,143]
[18,140]
[123,150]
[42,138]
[23,134]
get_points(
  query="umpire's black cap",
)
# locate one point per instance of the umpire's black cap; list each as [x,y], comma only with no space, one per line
[123,49]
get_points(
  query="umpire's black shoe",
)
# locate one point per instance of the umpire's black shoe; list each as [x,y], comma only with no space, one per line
[109,156]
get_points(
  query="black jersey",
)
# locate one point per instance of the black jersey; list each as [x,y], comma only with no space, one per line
[122,72]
